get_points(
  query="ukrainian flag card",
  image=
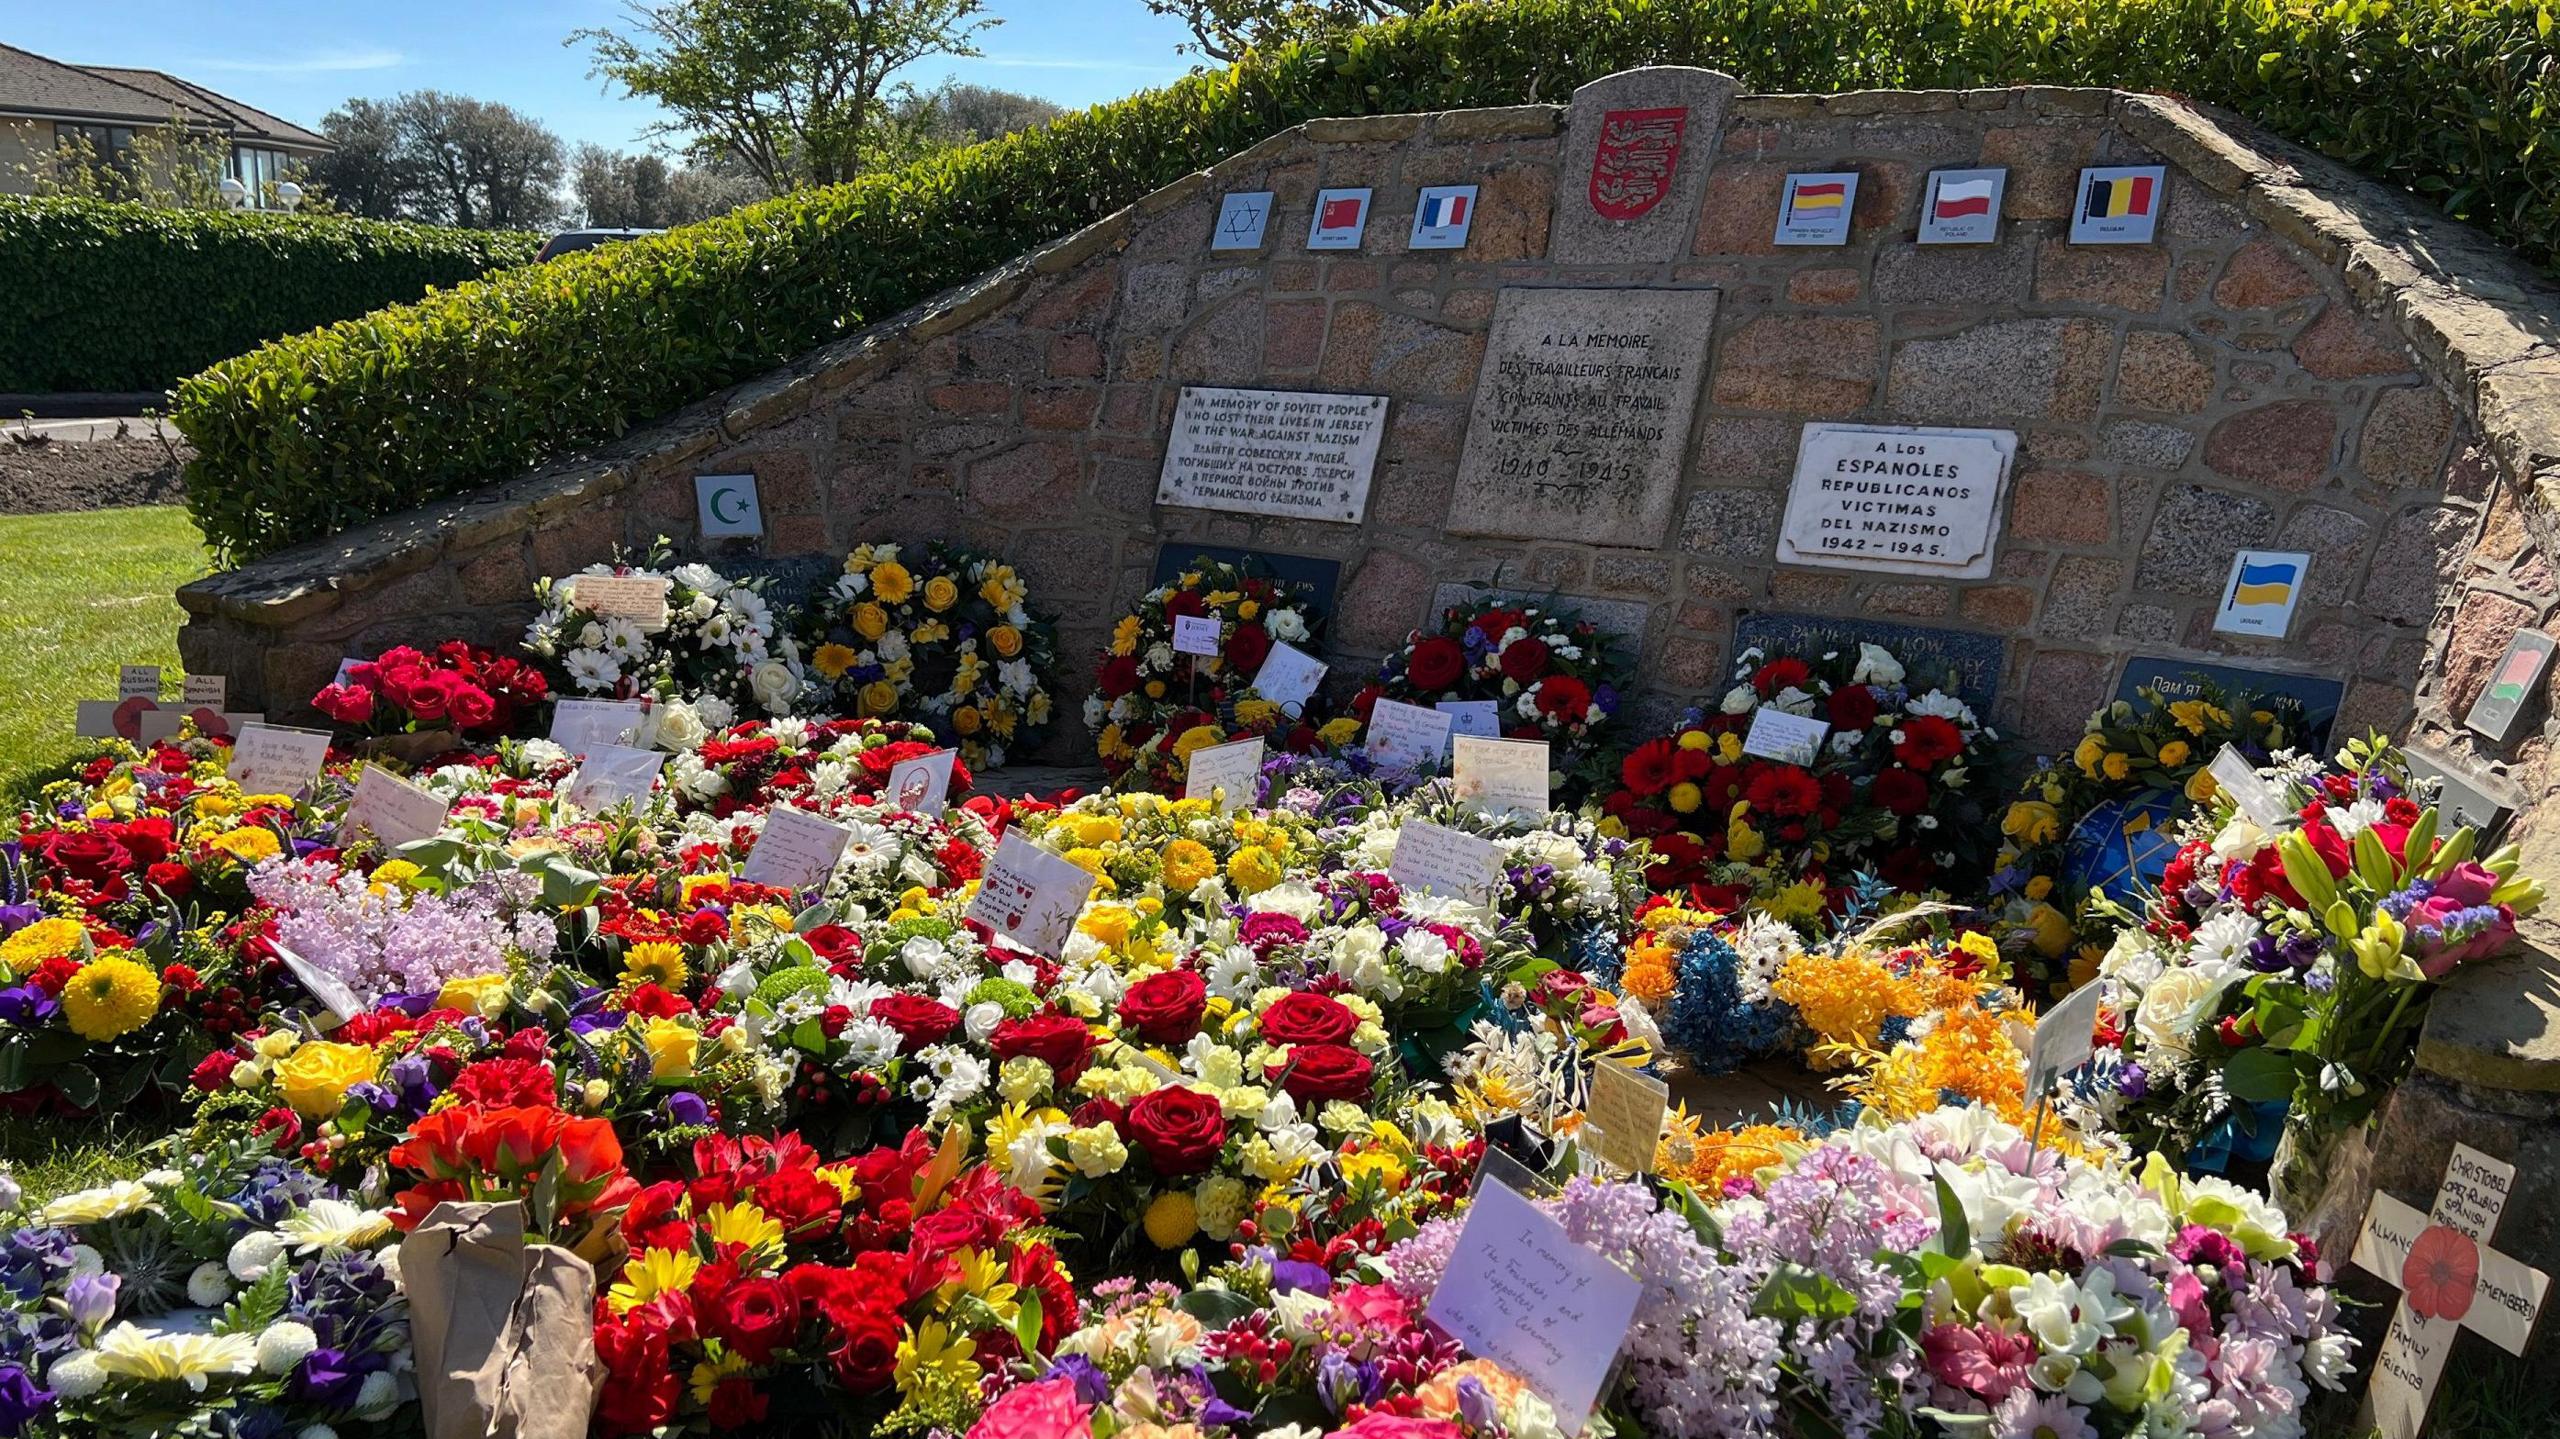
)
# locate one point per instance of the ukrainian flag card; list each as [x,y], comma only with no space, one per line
[2264,590]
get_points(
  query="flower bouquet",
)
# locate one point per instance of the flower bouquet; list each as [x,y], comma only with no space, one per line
[1553,675]
[944,638]
[721,646]
[1152,705]
[418,704]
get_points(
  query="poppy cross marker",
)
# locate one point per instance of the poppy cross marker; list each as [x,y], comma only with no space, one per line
[2449,1280]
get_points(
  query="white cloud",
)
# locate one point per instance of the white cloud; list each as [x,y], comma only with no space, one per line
[321,63]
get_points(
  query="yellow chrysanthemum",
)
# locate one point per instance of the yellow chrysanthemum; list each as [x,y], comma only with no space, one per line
[649,1274]
[45,939]
[2175,753]
[1172,1220]
[1253,870]
[1108,923]
[1186,863]
[1685,797]
[109,998]
[892,583]
[392,873]
[248,844]
[1255,713]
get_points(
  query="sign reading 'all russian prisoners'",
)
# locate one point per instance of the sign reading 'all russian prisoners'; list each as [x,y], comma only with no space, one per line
[1582,415]
[1903,499]
[1298,454]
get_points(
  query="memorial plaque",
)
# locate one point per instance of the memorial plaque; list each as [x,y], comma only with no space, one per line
[1322,579]
[2465,793]
[1638,145]
[1621,620]
[1581,416]
[1962,663]
[2185,679]
[1297,454]
[1901,499]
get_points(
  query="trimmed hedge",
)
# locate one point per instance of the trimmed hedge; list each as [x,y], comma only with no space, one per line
[113,296]
[379,414]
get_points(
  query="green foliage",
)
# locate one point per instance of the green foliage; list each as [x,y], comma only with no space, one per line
[380,414]
[125,296]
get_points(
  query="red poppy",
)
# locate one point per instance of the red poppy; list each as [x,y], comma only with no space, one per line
[2442,1273]
[1436,663]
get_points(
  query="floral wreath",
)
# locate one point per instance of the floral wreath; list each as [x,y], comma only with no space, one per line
[722,647]
[944,637]
[1554,674]
[1151,706]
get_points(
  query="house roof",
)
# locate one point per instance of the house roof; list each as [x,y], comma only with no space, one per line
[33,85]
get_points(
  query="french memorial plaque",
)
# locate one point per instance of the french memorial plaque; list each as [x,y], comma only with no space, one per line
[1297,454]
[1901,499]
[1637,147]
[1581,416]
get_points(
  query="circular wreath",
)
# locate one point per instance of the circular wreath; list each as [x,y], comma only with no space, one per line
[1152,706]
[943,637]
[1893,789]
[1555,676]
[722,647]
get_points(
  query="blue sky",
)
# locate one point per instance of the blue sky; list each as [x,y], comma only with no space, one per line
[300,58]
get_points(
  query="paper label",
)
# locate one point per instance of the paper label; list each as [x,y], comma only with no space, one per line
[1030,896]
[274,759]
[1288,677]
[580,725]
[2064,1039]
[211,691]
[922,784]
[2248,789]
[1234,767]
[1776,734]
[612,774]
[1519,1291]
[636,597]
[342,1003]
[393,810]
[1433,859]
[95,719]
[1475,717]
[1625,1106]
[1502,777]
[143,680]
[797,850]
[1195,635]
[1406,737]
[2506,1294]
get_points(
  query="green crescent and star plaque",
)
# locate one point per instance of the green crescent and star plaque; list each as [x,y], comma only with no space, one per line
[727,506]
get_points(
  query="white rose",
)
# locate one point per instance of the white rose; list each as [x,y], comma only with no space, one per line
[2175,1004]
[773,684]
[1876,666]
[1739,700]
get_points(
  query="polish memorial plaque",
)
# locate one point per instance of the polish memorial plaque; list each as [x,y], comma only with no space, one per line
[1902,499]
[1300,455]
[1582,418]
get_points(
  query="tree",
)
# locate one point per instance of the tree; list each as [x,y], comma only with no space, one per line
[797,90]
[960,114]
[450,159]
[369,173]
[1224,30]
[644,192]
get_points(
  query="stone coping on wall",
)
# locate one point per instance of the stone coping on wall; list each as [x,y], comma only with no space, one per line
[2485,326]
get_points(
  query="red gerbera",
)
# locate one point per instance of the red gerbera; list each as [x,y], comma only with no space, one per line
[1923,740]
[1561,698]
[1781,673]
[1901,791]
[1783,790]
[1647,769]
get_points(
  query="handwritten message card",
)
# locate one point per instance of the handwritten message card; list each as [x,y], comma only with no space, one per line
[580,725]
[1433,859]
[637,597]
[1792,739]
[1288,677]
[1626,1106]
[393,810]
[1195,635]
[1406,737]
[797,850]
[143,680]
[1501,777]
[1520,1292]
[211,691]
[1226,773]
[2065,1038]
[1030,896]
[611,774]
[274,759]
[1475,717]
[923,784]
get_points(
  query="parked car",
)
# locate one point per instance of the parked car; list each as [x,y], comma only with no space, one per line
[571,240]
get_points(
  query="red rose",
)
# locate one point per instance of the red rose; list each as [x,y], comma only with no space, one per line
[1302,1018]
[92,855]
[800,1201]
[1314,1073]
[753,1316]
[1525,659]
[347,704]
[1436,663]
[1908,869]
[1180,1130]
[1853,707]
[470,707]
[918,1020]
[1061,1041]
[589,1149]
[171,878]
[1119,676]
[1901,792]
[736,1402]
[1165,1008]
[214,1071]
[1923,740]
[1563,698]
[867,1357]
[422,693]
[1247,648]
[641,1389]
[948,1230]
[147,839]
[1185,604]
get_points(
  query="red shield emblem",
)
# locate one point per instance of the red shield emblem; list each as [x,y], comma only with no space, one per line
[1638,151]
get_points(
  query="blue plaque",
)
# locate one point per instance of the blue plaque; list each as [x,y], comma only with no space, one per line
[1965,664]
[1320,577]
[2184,679]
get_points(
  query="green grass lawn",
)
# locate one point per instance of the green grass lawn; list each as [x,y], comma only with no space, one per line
[84,593]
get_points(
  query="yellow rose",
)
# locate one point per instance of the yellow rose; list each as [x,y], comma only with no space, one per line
[672,1047]
[831,661]
[316,1076]
[464,994]
[1005,640]
[2201,786]
[879,697]
[1109,923]
[1695,739]
[2093,749]
[966,719]
[2174,754]
[2051,930]
[870,621]
[2031,821]
[1339,733]
[940,593]
[892,583]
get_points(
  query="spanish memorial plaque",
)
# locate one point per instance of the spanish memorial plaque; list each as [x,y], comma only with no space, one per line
[1903,499]
[1582,416]
[1297,454]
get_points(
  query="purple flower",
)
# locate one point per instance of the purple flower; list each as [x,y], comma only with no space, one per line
[1477,1406]
[20,1400]
[1297,1276]
[332,1377]
[2133,1081]
[91,1300]
[1092,1385]
[685,1108]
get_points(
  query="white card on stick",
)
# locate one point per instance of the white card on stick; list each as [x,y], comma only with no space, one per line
[273,759]
[1501,777]
[143,680]
[580,725]
[611,774]
[1288,677]
[1406,737]
[1625,1106]
[1195,635]
[1520,1292]
[1475,717]
[1776,734]
[393,810]
[1434,859]
[923,784]
[1030,897]
[1228,773]
[2248,789]
[210,691]
[2065,1038]
[797,850]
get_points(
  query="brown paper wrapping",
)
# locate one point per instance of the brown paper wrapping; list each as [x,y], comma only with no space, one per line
[503,1329]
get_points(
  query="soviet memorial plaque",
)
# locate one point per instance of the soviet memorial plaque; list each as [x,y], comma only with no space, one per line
[1297,454]
[1582,415]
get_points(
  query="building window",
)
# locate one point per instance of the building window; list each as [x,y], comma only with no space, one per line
[110,145]
[261,171]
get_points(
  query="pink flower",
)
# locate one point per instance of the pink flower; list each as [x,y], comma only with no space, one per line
[1046,1410]
[2186,1300]
[1397,1426]
[1979,1360]
[2466,884]
[1374,1306]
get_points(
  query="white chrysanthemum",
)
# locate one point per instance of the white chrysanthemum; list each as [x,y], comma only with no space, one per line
[285,1344]
[209,1287]
[869,1044]
[253,1254]
[378,1394]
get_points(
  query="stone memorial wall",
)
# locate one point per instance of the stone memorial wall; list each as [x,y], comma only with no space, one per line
[1563,348]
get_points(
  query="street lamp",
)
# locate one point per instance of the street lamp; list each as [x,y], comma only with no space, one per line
[234,194]
[289,195]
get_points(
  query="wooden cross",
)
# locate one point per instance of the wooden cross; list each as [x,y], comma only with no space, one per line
[2449,1281]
